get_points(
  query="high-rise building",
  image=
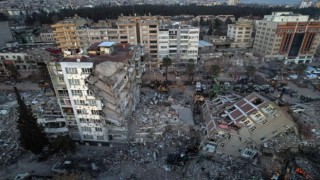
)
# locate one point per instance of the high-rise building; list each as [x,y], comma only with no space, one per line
[66,37]
[97,93]
[287,36]
[179,42]
[233,2]
[240,33]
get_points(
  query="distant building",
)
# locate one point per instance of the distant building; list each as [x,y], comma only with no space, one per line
[237,126]
[24,57]
[287,36]
[317,5]
[73,39]
[305,4]
[240,33]
[5,34]
[98,93]
[233,2]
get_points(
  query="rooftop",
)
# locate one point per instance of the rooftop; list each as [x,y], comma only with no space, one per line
[106,44]
[26,48]
[123,52]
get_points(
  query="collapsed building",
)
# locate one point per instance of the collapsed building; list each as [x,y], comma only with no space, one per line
[239,127]
[98,92]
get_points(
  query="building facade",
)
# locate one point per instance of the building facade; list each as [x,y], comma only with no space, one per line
[240,33]
[233,2]
[179,42]
[73,39]
[285,36]
[236,125]
[98,93]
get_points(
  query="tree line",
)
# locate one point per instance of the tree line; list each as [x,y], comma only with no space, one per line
[112,12]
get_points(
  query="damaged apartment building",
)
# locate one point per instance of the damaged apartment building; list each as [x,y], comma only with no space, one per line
[98,92]
[240,126]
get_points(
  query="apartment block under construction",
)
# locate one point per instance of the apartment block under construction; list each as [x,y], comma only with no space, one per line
[98,92]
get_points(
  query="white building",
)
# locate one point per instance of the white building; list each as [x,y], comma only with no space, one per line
[178,42]
[305,4]
[240,33]
[97,94]
[233,2]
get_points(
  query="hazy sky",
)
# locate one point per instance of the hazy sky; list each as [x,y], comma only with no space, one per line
[273,1]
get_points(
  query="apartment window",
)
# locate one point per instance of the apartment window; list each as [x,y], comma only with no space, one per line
[95,112]
[86,70]
[264,121]
[153,42]
[262,139]
[100,137]
[253,128]
[76,92]
[152,26]
[87,136]
[89,93]
[71,71]
[84,120]
[275,132]
[96,120]
[74,81]
[79,102]
[152,31]
[98,129]
[60,79]
[92,102]
[81,111]
[86,129]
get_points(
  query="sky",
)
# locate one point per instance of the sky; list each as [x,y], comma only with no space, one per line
[273,1]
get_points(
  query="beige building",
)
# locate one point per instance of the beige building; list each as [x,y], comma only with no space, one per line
[288,37]
[98,93]
[236,125]
[240,33]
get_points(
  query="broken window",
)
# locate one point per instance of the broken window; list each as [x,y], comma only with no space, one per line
[95,112]
[262,139]
[256,101]
[89,93]
[63,93]
[86,70]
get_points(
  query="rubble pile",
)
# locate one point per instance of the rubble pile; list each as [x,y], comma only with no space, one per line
[222,167]
[156,112]
[9,147]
